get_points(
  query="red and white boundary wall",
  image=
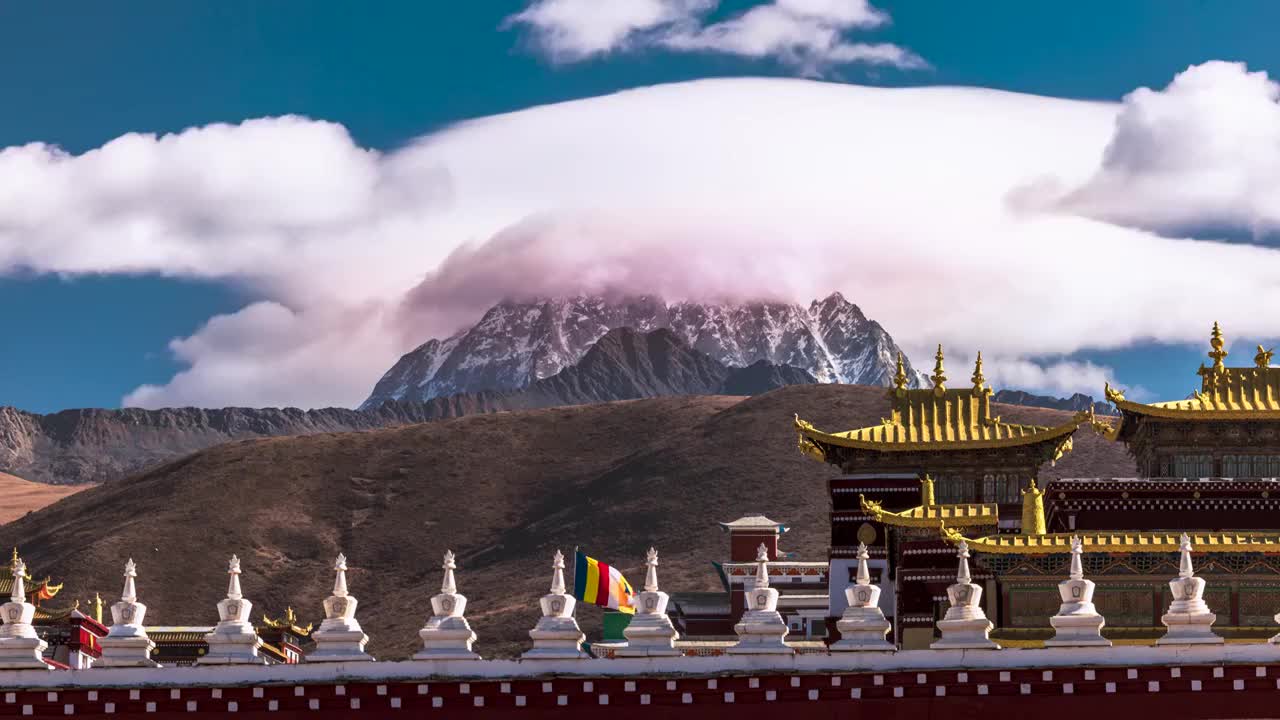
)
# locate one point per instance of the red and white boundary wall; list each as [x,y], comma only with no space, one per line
[1237,680]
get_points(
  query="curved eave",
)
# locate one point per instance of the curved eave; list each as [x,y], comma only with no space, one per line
[1118,543]
[1173,412]
[1042,435]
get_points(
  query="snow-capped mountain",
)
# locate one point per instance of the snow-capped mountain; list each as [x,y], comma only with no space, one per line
[517,343]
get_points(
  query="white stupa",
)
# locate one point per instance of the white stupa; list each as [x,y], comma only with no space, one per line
[557,635]
[965,625]
[126,643]
[650,632]
[234,641]
[340,637]
[447,634]
[1188,619]
[761,631]
[862,626]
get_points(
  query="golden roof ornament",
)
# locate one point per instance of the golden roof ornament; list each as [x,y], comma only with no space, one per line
[939,377]
[1033,510]
[926,492]
[900,376]
[1263,358]
[1217,353]
[978,379]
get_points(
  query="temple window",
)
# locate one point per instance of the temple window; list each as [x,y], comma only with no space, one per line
[1197,466]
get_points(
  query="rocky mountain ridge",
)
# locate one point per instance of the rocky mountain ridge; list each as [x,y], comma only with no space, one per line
[77,446]
[518,343]
[1075,403]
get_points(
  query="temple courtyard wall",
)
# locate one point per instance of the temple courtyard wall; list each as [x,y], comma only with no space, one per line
[1231,680]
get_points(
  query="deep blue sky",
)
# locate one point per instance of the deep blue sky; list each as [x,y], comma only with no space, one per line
[79,74]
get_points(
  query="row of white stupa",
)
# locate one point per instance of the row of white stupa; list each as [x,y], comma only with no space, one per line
[448,636]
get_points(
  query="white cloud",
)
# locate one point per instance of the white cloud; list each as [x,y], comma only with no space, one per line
[811,35]
[900,198]
[570,30]
[1205,151]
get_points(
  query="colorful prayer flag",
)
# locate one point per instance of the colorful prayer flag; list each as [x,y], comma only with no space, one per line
[601,584]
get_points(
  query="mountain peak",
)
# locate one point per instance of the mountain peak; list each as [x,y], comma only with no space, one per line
[516,343]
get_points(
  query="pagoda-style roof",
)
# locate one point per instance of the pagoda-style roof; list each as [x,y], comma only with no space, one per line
[1226,393]
[754,522]
[1118,542]
[939,418]
[36,589]
[956,515]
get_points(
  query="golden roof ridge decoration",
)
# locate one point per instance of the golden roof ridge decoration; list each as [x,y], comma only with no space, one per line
[939,418]
[1115,541]
[1226,393]
[939,376]
[900,375]
[928,516]
[979,380]
[288,622]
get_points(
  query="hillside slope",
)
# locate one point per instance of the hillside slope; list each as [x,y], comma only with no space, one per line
[503,490]
[23,496]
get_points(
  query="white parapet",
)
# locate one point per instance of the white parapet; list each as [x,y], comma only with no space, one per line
[1077,622]
[233,641]
[557,635]
[1188,620]
[20,646]
[650,633]
[761,631]
[340,637]
[447,634]
[127,643]
[965,626]
[862,626]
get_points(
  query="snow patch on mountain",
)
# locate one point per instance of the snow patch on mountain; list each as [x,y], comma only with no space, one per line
[518,343]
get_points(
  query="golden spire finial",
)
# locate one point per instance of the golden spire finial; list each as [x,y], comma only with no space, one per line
[978,379]
[900,376]
[1263,358]
[939,377]
[97,607]
[1217,353]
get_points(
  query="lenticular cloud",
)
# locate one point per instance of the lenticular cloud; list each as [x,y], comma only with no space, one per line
[940,211]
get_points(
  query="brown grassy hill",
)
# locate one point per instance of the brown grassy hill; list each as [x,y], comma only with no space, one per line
[503,490]
[23,496]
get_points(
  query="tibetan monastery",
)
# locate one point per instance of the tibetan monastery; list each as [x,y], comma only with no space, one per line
[977,467]
[942,468]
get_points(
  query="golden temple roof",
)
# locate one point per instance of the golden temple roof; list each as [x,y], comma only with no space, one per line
[1226,393]
[938,418]
[956,515]
[1118,542]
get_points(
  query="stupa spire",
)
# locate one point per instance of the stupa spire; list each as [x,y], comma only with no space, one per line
[762,566]
[18,593]
[130,592]
[557,574]
[962,572]
[233,583]
[1076,572]
[651,573]
[449,584]
[1184,562]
